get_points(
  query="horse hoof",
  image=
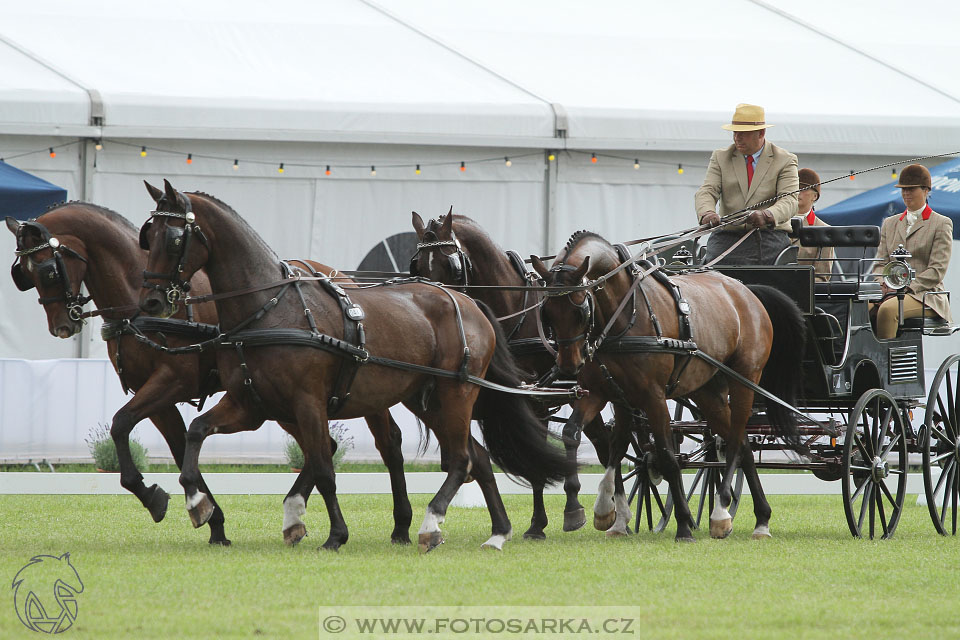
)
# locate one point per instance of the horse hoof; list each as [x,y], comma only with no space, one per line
[762,533]
[223,542]
[614,532]
[201,511]
[293,535]
[573,520]
[400,539]
[429,541]
[720,529]
[157,502]
[330,545]
[534,533]
[604,522]
[495,542]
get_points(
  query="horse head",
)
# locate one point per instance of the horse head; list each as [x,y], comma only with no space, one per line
[54,264]
[574,315]
[177,249]
[440,256]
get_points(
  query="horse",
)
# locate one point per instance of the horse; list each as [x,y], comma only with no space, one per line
[281,354]
[757,332]
[456,251]
[77,242]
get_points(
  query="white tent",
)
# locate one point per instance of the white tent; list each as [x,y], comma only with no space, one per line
[357,84]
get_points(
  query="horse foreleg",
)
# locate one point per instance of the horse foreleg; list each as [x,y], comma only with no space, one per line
[225,417]
[295,502]
[618,449]
[387,436]
[480,469]
[314,436]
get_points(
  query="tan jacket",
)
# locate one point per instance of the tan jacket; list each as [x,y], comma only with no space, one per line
[930,242]
[808,255]
[726,181]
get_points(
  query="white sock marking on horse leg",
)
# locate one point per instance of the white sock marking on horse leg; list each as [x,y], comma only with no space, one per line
[431,522]
[719,513]
[195,499]
[293,508]
[762,531]
[605,493]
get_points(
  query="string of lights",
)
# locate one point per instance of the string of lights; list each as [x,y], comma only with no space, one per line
[329,168]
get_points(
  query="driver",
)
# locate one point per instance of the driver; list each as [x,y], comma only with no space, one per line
[928,236]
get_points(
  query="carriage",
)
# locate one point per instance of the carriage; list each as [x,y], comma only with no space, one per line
[875,417]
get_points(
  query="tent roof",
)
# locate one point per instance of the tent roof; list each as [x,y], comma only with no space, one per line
[618,74]
[24,196]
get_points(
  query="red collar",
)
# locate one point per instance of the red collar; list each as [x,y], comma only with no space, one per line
[811,217]
[926,213]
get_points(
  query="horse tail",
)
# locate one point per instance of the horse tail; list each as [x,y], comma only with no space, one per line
[518,441]
[783,373]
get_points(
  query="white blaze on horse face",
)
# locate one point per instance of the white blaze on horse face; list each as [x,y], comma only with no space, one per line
[429,262]
[195,499]
[293,508]
[431,522]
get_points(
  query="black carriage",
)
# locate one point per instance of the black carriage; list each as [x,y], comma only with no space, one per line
[863,390]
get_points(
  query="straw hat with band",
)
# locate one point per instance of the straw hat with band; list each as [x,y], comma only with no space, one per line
[809,180]
[747,117]
[916,175]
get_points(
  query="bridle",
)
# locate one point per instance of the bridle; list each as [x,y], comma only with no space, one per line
[50,271]
[461,267]
[586,309]
[177,241]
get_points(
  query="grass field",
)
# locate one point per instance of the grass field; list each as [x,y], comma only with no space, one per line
[146,580]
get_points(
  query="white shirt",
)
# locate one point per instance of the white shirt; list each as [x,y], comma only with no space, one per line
[912,217]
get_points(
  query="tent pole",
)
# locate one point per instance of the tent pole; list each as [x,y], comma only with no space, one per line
[88,159]
[550,197]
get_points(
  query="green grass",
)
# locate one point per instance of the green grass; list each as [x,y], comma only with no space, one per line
[146,580]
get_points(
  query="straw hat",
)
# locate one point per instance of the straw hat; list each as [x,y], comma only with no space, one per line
[809,179]
[916,175]
[747,117]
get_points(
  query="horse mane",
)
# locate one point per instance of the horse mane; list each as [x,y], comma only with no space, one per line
[110,214]
[579,236]
[246,225]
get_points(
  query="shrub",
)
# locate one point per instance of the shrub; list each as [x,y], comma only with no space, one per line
[337,431]
[104,451]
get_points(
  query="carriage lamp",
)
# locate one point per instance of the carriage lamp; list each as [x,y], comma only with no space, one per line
[897,274]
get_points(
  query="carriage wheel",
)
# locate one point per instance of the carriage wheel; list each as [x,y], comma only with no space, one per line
[706,482]
[645,489]
[941,446]
[874,457]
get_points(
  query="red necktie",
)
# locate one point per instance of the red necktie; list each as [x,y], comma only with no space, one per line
[749,170]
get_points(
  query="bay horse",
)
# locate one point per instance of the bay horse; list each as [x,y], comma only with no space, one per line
[757,332]
[281,353]
[456,251]
[99,248]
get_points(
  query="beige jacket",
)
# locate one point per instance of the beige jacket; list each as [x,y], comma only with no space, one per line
[930,242]
[808,255]
[726,181]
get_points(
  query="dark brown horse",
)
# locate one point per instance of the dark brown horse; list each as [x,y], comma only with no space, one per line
[728,322]
[99,248]
[279,361]
[455,250]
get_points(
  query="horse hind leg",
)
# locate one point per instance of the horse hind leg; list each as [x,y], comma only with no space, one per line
[501,531]
[453,435]
[295,502]
[386,434]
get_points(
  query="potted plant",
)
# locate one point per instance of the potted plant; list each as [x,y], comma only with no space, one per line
[337,431]
[104,451]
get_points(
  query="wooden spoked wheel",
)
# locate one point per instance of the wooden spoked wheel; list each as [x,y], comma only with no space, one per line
[874,466]
[941,447]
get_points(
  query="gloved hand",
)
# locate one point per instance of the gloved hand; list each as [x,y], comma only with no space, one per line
[710,219]
[761,218]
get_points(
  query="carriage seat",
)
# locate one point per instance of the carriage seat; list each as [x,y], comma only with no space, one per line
[931,325]
[854,235]
[829,335]
[836,290]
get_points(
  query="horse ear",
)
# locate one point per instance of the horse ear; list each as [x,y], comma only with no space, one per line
[155,193]
[170,192]
[447,226]
[13,224]
[579,274]
[539,267]
[418,225]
